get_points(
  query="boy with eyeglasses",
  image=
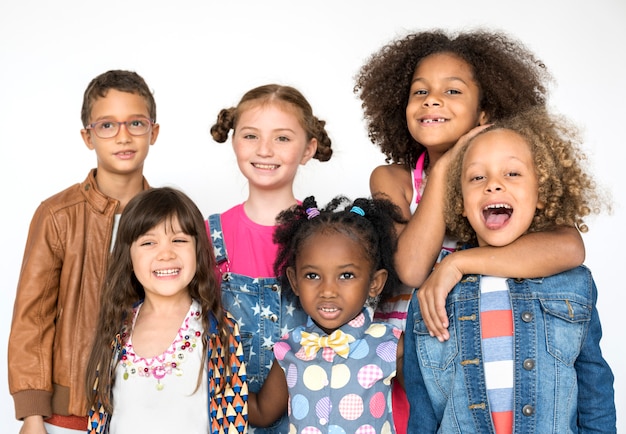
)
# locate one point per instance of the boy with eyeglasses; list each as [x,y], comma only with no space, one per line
[68,245]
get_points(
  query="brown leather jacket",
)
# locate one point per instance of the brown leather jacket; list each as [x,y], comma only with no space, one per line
[56,305]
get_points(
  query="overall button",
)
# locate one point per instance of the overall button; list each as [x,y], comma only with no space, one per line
[528,364]
[527,316]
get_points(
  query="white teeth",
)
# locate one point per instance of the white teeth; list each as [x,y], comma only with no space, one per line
[430,121]
[498,206]
[169,272]
[266,166]
[327,309]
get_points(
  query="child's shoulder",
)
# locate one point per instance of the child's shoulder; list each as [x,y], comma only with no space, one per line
[396,170]
[86,190]
[392,180]
[64,198]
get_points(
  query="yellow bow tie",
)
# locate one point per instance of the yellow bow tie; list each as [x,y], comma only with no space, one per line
[338,341]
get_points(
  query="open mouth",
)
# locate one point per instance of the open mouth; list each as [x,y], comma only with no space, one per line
[496,215]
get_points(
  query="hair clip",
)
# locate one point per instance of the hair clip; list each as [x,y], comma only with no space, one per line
[312,212]
[358,210]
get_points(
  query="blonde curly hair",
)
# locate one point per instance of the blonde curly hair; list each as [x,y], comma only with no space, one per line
[566,189]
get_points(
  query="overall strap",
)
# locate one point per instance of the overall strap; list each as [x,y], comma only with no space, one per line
[217,238]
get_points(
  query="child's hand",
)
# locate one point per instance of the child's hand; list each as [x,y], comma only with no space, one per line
[33,425]
[451,154]
[432,297]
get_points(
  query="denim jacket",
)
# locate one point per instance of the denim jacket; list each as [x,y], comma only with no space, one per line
[562,384]
[264,316]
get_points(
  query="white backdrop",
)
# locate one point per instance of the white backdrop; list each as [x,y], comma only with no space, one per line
[199,57]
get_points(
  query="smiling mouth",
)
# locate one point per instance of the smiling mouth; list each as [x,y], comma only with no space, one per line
[329,309]
[433,121]
[168,272]
[266,166]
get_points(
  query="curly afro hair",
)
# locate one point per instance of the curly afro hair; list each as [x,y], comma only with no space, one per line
[508,75]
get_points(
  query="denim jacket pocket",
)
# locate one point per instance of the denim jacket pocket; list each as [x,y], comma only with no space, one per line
[566,323]
[432,353]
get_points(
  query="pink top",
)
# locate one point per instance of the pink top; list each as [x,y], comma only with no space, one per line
[250,246]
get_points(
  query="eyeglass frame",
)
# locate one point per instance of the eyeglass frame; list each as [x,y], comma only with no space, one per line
[152,122]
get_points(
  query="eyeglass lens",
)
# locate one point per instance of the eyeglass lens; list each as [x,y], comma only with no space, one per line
[108,129]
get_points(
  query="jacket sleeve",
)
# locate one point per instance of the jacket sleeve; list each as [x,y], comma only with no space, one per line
[596,401]
[34,314]
[422,418]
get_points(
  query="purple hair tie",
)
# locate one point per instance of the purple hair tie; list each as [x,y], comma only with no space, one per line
[312,212]
[358,210]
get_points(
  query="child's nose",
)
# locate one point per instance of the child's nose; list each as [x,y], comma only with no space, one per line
[265,148]
[494,186]
[165,253]
[123,136]
[328,290]
[431,101]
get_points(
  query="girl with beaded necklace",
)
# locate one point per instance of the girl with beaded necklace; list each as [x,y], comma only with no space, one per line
[166,356]
[334,373]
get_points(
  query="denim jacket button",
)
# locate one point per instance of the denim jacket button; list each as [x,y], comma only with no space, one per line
[528,410]
[518,280]
[528,364]
[275,287]
[527,316]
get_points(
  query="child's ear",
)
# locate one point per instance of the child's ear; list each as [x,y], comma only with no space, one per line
[483,118]
[291,275]
[378,282]
[86,135]
[309,151]
[154,133]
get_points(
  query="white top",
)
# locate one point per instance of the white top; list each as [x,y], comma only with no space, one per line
[156,395]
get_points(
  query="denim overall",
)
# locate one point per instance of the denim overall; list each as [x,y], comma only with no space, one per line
[263,314]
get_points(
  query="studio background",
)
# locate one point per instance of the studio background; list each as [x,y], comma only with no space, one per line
[200,56]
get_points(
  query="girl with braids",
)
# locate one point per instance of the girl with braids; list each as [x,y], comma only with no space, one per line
[166,356]
[524,354]
[274,132]
[334,373]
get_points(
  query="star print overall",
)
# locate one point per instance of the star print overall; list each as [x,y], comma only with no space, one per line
[263,313]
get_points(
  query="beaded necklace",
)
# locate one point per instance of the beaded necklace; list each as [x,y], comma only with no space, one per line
[170,361]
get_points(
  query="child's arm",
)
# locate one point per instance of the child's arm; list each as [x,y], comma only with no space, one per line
[270,403]
[596,396]
[399,361]
[34,320]
[532,255]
